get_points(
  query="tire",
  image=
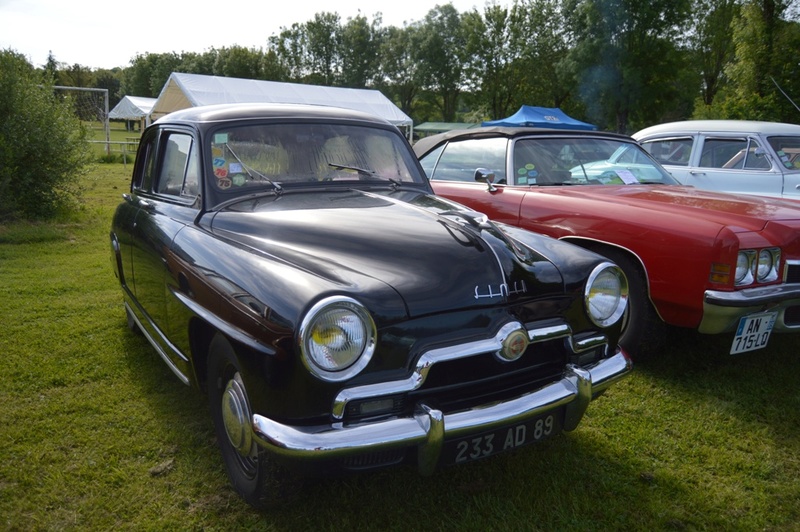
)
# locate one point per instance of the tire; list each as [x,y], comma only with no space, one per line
[251,470]
[643,331]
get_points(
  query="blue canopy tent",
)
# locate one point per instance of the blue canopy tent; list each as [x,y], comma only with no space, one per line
[547,117]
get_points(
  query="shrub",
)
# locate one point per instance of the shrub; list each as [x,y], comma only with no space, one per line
[43,146]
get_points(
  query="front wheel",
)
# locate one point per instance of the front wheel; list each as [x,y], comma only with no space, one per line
[643,331]
[253,473]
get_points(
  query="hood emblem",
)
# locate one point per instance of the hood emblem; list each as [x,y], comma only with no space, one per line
[502,290]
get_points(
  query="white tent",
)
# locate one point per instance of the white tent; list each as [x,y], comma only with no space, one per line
[190,90]
[132,108]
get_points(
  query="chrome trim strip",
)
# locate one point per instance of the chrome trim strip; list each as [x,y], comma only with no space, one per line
[424,364]
[161,352]
[429,427]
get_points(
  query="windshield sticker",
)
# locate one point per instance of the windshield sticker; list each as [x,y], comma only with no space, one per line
[527,174]
[627,177]
[224,183]
[221,138]
[221,172]
[235,168]
[238,179]
[219,162]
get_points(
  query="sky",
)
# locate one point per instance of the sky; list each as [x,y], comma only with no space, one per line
[109,33]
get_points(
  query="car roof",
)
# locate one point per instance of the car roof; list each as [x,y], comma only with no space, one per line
[720,126]
[426,144]
[248,111]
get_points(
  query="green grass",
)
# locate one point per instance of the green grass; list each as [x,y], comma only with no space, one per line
[97,434]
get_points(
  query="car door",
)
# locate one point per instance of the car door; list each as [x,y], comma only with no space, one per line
[458,171]
[674,154]
[165,197]
[734,163]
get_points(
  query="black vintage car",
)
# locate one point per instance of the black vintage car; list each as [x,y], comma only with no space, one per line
[292,262]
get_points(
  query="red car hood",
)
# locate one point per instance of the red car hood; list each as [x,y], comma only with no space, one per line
[739,212]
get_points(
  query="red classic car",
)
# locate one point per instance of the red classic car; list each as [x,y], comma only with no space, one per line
[714,262]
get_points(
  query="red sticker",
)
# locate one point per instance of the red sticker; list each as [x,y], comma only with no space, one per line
[221,172]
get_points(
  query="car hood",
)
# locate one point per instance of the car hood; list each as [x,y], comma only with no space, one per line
[738,212]
[356,240]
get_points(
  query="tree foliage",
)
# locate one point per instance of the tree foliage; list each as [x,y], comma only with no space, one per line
[621,64]
[43,148]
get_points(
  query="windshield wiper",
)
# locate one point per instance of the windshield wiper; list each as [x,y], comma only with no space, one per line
[251,171]
[365,173]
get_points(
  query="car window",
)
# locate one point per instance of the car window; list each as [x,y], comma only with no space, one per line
[788,150]
[172,176]
[251,156]
[584,161]
[672,151]
[733,154]
[460,159]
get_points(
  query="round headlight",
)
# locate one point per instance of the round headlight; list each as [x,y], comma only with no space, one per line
[606,294]
[764,265]
[337,338]
[744,264]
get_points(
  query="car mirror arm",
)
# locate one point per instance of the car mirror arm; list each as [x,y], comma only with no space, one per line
[484,175]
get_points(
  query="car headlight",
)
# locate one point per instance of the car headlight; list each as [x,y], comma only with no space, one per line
[606,294]
[744,267]
[767,269]
[337,338]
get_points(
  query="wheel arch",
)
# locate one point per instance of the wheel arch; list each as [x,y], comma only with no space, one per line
[600,247]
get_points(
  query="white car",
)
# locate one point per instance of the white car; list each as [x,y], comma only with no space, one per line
[740,156]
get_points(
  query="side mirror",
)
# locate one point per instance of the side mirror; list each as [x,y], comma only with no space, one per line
[484,175]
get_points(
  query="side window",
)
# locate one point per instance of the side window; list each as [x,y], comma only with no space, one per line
[673,151]
[145,164]
[428,162]
[460,160]
[178,174]
[723,153]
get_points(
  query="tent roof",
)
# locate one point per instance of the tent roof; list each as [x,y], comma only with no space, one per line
[132,108]
[191,90]
[547,117]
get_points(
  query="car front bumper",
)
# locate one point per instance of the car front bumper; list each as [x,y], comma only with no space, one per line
[429,427]
[723,310]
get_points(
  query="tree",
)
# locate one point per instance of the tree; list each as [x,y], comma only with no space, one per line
[439,48]
[711,42]
[492,57]
[323,39]
[239,62]
[399,75]
[625,58]
[756,32]
[548,79]
[359,51]
[43,147]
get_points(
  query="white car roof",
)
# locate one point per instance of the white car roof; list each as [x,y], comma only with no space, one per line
[719,126]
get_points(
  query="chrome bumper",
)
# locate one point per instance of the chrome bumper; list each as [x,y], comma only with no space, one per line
[428,428]
[723,310]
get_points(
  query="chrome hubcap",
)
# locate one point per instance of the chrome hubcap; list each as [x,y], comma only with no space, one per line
[236,415]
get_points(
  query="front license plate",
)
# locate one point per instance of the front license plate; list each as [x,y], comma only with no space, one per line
[753,332]
[501,440]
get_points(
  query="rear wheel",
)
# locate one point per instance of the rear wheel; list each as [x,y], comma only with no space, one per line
[252,472]
[643,332]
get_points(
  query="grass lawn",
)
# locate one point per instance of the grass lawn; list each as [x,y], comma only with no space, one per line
[97,434]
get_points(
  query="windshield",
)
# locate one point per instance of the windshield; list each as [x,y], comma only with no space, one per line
[585,161]
[788,150]
[272,156]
